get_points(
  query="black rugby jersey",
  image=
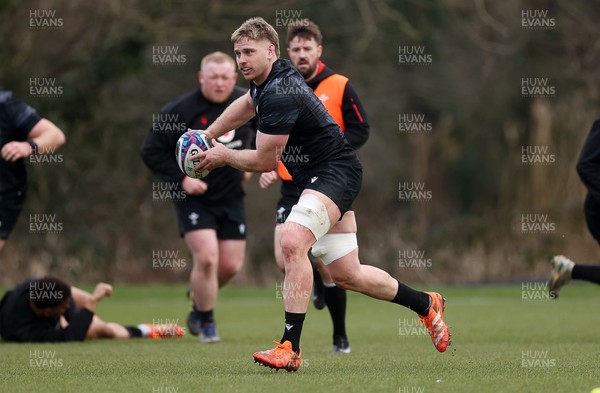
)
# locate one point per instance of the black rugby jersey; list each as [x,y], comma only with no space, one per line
[353,116]
[284,104]
[19,323]
[193,111]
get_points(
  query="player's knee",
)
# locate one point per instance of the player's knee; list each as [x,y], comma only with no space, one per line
[229,268]
[205,260]
[292,244]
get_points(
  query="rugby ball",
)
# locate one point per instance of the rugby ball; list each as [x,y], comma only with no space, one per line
[189,144]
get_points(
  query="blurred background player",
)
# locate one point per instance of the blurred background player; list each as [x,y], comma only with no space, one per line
[22,133]
[50,310]
[211,216]
[341,101]
[588,168]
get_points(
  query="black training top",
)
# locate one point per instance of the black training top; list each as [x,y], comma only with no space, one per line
[355,121]
[19,323]
[16,121]
[193,110]
[284,104]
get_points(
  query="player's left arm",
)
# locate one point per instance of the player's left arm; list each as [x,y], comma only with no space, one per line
[263,159]
[355,118]
[238,113]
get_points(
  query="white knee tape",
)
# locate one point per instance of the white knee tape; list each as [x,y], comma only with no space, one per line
[334,246]
[311,213]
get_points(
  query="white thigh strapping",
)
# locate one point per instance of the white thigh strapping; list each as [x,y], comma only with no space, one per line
[311,213]
[333,246]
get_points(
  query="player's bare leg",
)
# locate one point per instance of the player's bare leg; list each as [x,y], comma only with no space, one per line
[277,247]
[101,329]
[349,273]
[296,240]
[204,282]
[231,259]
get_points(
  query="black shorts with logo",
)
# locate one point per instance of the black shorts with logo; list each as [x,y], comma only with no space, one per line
[228,219]
[10,208]
[339,178]
[284,207]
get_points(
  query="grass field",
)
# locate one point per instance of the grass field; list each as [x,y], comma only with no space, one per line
[501,343]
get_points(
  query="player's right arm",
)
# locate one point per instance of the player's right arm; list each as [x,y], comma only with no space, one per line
[238,113]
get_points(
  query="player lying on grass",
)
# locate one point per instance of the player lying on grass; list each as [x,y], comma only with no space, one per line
[50,310]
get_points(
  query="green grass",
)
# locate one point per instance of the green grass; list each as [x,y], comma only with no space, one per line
[492,330]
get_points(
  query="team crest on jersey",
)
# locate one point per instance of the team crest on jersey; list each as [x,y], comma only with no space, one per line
[227,137]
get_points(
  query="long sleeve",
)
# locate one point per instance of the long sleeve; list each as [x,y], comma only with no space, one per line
[355,119]
[158,153]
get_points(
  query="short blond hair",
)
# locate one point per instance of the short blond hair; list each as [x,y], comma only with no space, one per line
[219,58]
[257,29]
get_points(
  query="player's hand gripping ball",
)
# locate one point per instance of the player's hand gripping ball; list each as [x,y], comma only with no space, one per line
[189,144]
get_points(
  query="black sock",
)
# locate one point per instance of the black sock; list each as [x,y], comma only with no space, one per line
[134,332]
[195,310]
[335,299]
[293,329]
[206,317]
[586,272]
[414,300]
